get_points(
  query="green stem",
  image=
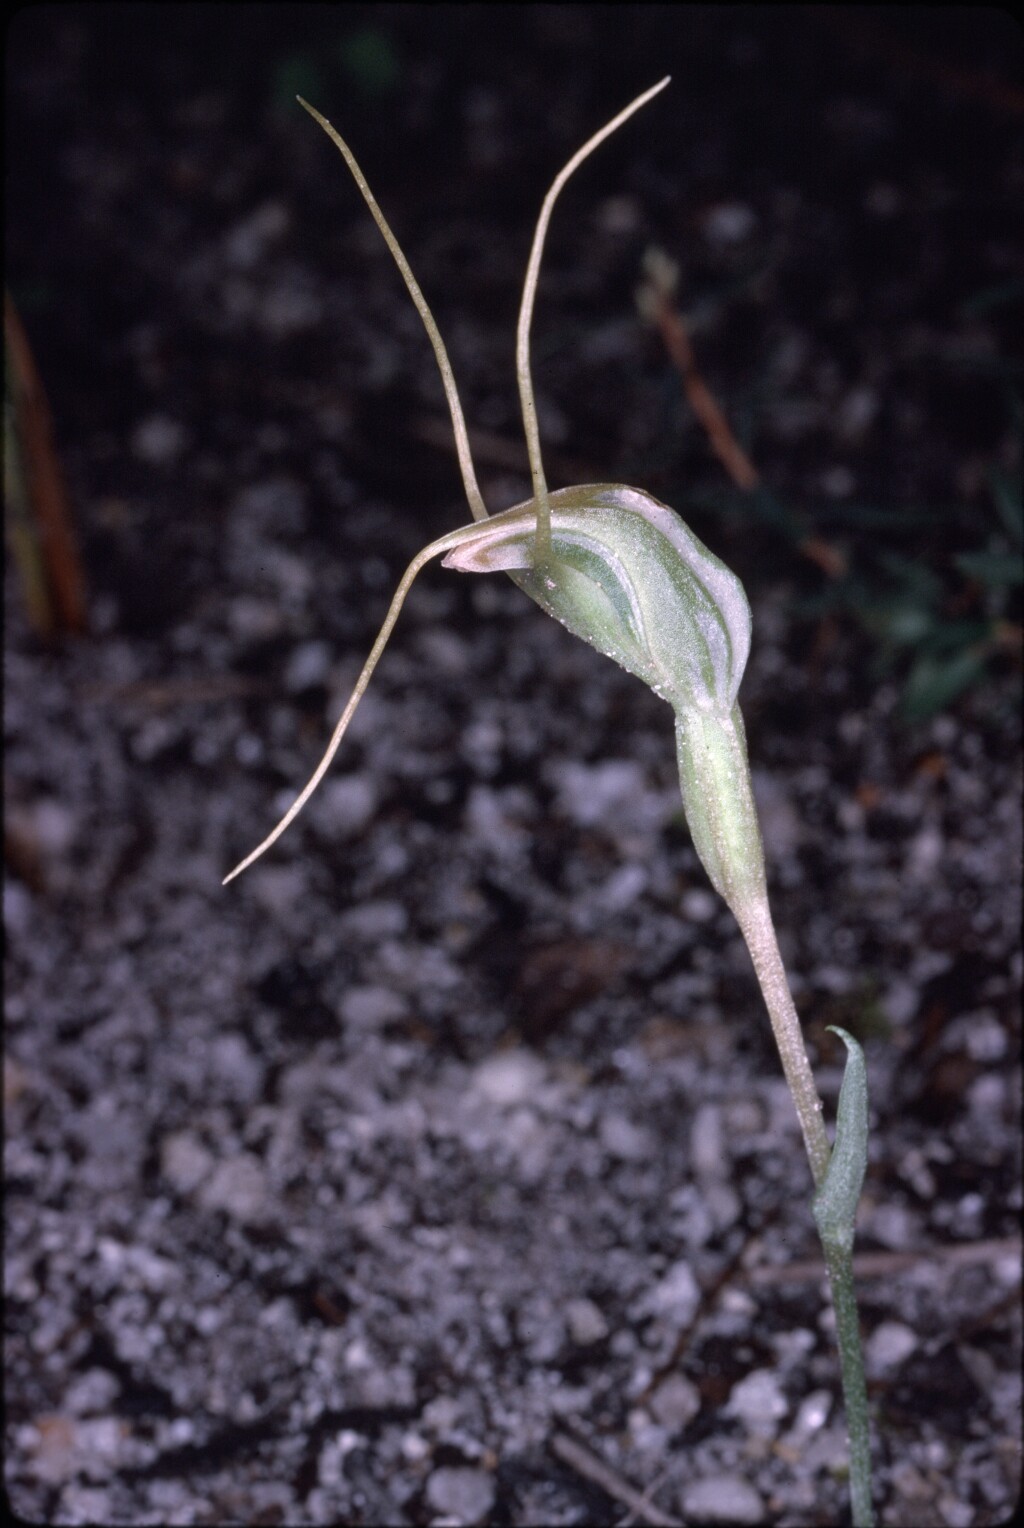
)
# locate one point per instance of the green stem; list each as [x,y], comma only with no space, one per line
[759,932]
[839,1262]
[715,782]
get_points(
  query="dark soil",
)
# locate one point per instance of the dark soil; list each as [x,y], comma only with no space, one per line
[452,1134]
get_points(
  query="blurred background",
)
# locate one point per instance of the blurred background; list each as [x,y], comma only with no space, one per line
[356,1189]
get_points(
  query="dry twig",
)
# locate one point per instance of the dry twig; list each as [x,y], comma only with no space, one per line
[39,521]
[580,1458]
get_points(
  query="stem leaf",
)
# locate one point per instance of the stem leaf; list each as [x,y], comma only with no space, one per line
[835,1203]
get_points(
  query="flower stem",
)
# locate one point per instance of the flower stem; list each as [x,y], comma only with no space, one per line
[839,1262]
[755,921]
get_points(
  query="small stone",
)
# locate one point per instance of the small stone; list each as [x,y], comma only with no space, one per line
[373,921]
[489,820]
[463,1495]
[372,1007]
[249,240]
[540,1329]
[675,1403]
[985,1038]
[924,854]
[987,1097]
[781,827]
[279,889]
[829,1451]
[900,1000]
[158,440]
[888,1345]
[254,620]
[956,1513]
[707,1151]
[276,506]
[444,651]
[239,1188]
[758,1401]
[308,667]
[677,1295]
[622,1139]
[184,1161]
[728,223]
[622,888]
[237,1068]
[288,307]
[894,1225]
[594,795]
[511,1077]
[811,1416]
[856,413]
[346,805]
[18,909]
[723,1205]
[92,1392]
[585,1322]
[619,214]
[838,482]
[722,1499]
[55,827]
[699,905]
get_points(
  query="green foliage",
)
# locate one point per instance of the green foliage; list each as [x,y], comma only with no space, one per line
[937,625]
[365,61]
[370,61]
[919,614]
[297,74]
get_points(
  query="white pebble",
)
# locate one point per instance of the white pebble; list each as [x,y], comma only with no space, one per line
[511,1077]
[184,1161]
[758,1401]
[309,665]
[676,1295]
[675,1402]
[728,223]
[722,1499]
[346,805]
[372,1007]
[622,1139]
[158,440]
[585,1322]
[707,1151]
[463,1495]
[699,905]
[888,1345]
[251,238]
[239,1187]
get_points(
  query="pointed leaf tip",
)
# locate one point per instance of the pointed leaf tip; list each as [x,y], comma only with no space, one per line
[835,1203]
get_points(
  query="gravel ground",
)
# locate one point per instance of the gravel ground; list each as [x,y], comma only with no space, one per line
[440,1170]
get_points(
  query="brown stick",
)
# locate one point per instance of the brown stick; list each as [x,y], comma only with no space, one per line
[676,338]
[880,1265]
[579,1458]
[64,592]
[657,305]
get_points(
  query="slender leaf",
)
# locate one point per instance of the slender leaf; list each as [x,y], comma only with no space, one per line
[835,1203]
